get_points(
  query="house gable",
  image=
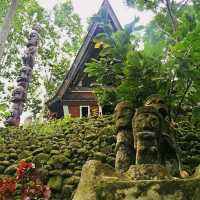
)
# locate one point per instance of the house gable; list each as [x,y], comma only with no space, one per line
[85,53]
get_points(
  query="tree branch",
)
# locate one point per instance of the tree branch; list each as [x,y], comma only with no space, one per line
[169,95]
[173,19]
[189,84]
[182,4]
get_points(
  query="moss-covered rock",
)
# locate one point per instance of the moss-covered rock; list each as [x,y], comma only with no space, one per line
[67,191]
[41,158]
[101,182]
[60,148]
[100,156]
[5,163]
[73,180]
[3,156]
[11,169]
[2,168]
[55,183]
[13,155]
[67,172]
[58,161]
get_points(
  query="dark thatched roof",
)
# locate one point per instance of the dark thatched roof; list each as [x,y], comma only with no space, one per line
[84,52]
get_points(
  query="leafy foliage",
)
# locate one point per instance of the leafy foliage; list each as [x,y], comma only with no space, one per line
[66,19]
[59,41]
[28,177]
[164,60]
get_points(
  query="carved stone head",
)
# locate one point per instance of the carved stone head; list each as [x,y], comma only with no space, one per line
[147,125]
[159,103]
[28,58]
[147,119]
[25,71]
[18,95]
[123,114]
[25,74]
[33,39]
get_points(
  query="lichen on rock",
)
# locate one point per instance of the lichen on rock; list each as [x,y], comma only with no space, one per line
[101,182]
[94,135]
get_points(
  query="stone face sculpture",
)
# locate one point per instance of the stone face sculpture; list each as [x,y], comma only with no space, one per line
[17,108]
[124,147]
[25,72]
[28,58]
[19,94]
[147,126]
[25,76]
[153,139]
[169,148]
[33,39]
[159,103]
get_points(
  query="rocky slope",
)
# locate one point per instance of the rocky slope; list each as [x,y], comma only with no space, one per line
[61,148]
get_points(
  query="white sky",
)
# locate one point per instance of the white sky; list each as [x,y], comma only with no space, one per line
[86,8]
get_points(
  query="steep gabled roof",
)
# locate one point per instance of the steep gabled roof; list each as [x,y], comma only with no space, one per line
[82,55]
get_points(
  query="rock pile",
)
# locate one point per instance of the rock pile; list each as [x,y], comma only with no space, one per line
[61,148]
[60,154]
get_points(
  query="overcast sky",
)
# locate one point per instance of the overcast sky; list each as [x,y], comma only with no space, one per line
[86,8]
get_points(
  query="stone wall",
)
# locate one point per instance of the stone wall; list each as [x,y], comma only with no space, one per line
[62,147]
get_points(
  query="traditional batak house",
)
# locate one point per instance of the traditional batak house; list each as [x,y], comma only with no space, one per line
[75,97]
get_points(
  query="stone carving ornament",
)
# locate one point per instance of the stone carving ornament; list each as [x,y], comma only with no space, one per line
[24,77]
[149,140]
[169,148]
[147,126]
[124,147]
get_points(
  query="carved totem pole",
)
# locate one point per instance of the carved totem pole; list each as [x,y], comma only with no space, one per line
[125,154]
[20,92]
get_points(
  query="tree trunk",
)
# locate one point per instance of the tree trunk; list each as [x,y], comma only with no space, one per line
[7,25]
[171,15]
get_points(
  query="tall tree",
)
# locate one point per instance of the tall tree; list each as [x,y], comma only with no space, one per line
[7,25]
[54,53]
[70,24]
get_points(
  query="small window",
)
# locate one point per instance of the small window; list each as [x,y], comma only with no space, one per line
[84,111]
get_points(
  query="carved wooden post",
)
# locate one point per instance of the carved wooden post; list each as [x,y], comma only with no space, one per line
[19,94]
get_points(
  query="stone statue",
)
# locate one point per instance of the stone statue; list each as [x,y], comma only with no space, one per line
[125,155]
[19,94]
[26,72]
[153,138]
[25,75]
[147,126]
[16,109]
[28,58]
[169,148]
[159,103]
[33,38]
